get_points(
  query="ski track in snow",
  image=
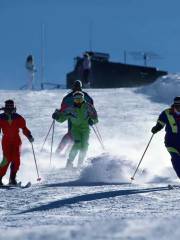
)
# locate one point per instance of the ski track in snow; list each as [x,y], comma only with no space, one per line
[97,202]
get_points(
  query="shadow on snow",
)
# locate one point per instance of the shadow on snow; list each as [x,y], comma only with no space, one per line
[91,197]
[78,183]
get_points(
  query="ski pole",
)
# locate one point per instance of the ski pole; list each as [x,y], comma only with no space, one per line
[97,130]
[38,179]
[132,178]
[101,143]
[52,140]
[47,135]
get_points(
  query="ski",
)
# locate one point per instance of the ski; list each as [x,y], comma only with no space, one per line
[27,185]
[171,187]
[19,185]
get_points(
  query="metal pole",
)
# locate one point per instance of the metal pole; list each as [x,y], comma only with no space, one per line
[38,179]
[90,35]
[125,56]
[52,140]
[97,130]
[132,178]
[98,138]
[47,135]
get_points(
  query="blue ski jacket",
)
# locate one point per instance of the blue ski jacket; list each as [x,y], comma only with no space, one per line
[171,120]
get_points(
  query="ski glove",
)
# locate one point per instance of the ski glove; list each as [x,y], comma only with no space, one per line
[30,138]
[156,128]
[91,111]
[90,122]
[55,115]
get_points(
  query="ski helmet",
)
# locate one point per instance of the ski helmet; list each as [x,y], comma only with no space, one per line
[77,85]
[9,104]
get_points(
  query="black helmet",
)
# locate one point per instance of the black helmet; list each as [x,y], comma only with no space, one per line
[9,104]
[77,85]
[177,101]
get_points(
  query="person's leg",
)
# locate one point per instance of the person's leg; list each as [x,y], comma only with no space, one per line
[6,148]
[65,142]
[3,168]
[15,163]
[176,164]
[175,159]
[84,146]
[72,155]
[75,148]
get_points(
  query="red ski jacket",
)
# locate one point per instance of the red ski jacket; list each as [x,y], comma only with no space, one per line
[10,125]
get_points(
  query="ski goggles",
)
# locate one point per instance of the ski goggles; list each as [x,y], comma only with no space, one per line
[78,99]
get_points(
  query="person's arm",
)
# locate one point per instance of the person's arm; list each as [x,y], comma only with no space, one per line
[66,102]
[64,105]
[1,122]
[93,117]
[25,130]
[0,126]
[161,122]
[88,98]
[62,116]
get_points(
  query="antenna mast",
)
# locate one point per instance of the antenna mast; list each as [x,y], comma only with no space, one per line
[90,35]
[42,54]
[125,56]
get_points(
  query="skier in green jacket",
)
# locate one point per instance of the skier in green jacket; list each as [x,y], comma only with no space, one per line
[82,115]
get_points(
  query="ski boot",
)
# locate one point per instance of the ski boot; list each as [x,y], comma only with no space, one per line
[81,160]
[12,180]
[1,183]
[69,165]
[80,164]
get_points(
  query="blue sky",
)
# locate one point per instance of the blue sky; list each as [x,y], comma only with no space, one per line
[117,25]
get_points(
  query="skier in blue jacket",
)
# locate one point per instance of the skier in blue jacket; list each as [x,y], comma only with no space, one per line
[170,118]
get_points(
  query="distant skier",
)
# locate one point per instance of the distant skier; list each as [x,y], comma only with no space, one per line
[68,101]
[86,70]
[170,118]
[81,115]
[10,123]
[31,71]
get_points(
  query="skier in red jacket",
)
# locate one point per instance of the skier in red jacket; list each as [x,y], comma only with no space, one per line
[10,123]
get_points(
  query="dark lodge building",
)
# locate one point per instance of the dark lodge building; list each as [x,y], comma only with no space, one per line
[107,74]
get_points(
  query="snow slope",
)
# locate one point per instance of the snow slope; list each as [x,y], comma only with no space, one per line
[97,202]
[163,90]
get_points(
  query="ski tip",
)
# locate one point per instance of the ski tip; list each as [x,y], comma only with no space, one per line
[170,187]
[27,185]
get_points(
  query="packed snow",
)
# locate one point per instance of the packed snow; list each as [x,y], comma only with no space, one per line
[99,201]
[164,89]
